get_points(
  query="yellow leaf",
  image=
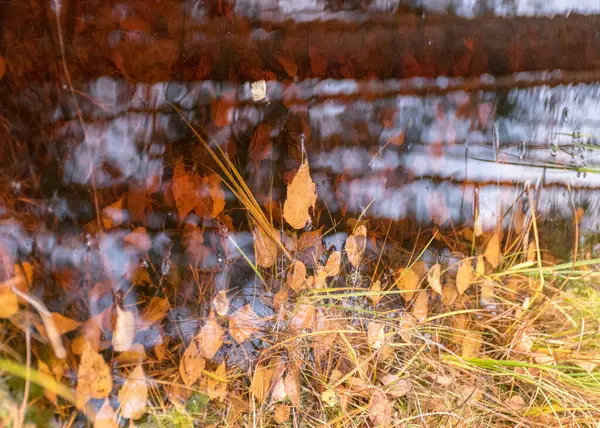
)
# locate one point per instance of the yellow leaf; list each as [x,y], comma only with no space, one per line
[297,276]
[301,196]
[492,251]
[332,268]
[221,303]
[261,382]
[124,330]
[265,248]
[356,244]
[64,324]
[217,195]
[471,344]
[380,410]
[531,251]
[106,417]
[464,276]
[375,289]
[449,294]
[303,317]
[10,303]
[210,337]
[244,324]
[395,386]
[133,396]
[480,268]
[329,398]
[281,413]
[375,335]
[136,354]
[291,384]
[420,306]
[215,389]
[434,278]
[191,364]
[408,281]
[93,377]
[153,312]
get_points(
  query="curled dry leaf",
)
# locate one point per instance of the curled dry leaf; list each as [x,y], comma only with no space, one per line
[244,324]
[332,267]
[329,398]
[408,281]
[492,251]
[124,330]
[93,377]
[356,244]
[210,337]
[221,303]
[192,363]
[301,196]
[420,306]
[106,417]
[375,335]
[395,386]
[380,410]
[133,396]
[297,276]
[265,248]
[281,413]
[464,276]
[434,278]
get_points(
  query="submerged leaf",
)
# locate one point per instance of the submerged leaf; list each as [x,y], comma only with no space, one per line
[133,396]
[210,337]
[153,312]
[244,324]
[93,377]
[297,276]
[265,248]
[191,364]
[301,196]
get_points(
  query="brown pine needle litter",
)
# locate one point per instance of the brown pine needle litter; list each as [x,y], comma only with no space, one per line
[375,332]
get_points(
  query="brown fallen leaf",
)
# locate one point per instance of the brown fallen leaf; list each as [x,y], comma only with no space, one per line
[64,324]
[395,386]
[356,244]
[309,247]
[516,402]
[301,196]
[114,214]
[421,306]
[139,239]
[291,384]
[408,281]
[332,267]
[304,316]
[434,278]
[280,298]
[375,335]
[265,248]
[133,396]
[221,303]
[471,344]
[192,363]
[153,312]
[124,330]
[210,337]
[492,251]
[185,188]
[215,389]
[10,302]
[261,382]
[93,377]
[217,195]
[464,276]
[136,354]
[380,410]
[281,413]
[106,417]
[296,277]
[449,294]
[289,65]
[375,289]
[244,324]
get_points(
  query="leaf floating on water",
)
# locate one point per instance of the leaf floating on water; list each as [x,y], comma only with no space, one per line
[380,410]
[434,278]
[221,303]
[244,324]
[301,196]
[464,276]
[153,312]
[106,417]
[492,251]
[375,335]
[421,306]
[281,413]
[356,244]
[124,330]
[185,187]
[265,248]
[296,277]
[210,337]
[259,90]
[407,281]
[133,396]
[332,267]
[191,364]
[93,377]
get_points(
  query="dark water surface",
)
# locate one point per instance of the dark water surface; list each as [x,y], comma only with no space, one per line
[419,113]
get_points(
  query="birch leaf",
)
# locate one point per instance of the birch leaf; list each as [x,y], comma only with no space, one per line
[265,248]
[408,281]
[356,244]
[93,377]
[244,324]
[492,251]
[124,330]
[133,396]
[434,278]
[420,306]
[191,364]
[210,337]
[464,276]
[375,335]
[301,196]
[297,276]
